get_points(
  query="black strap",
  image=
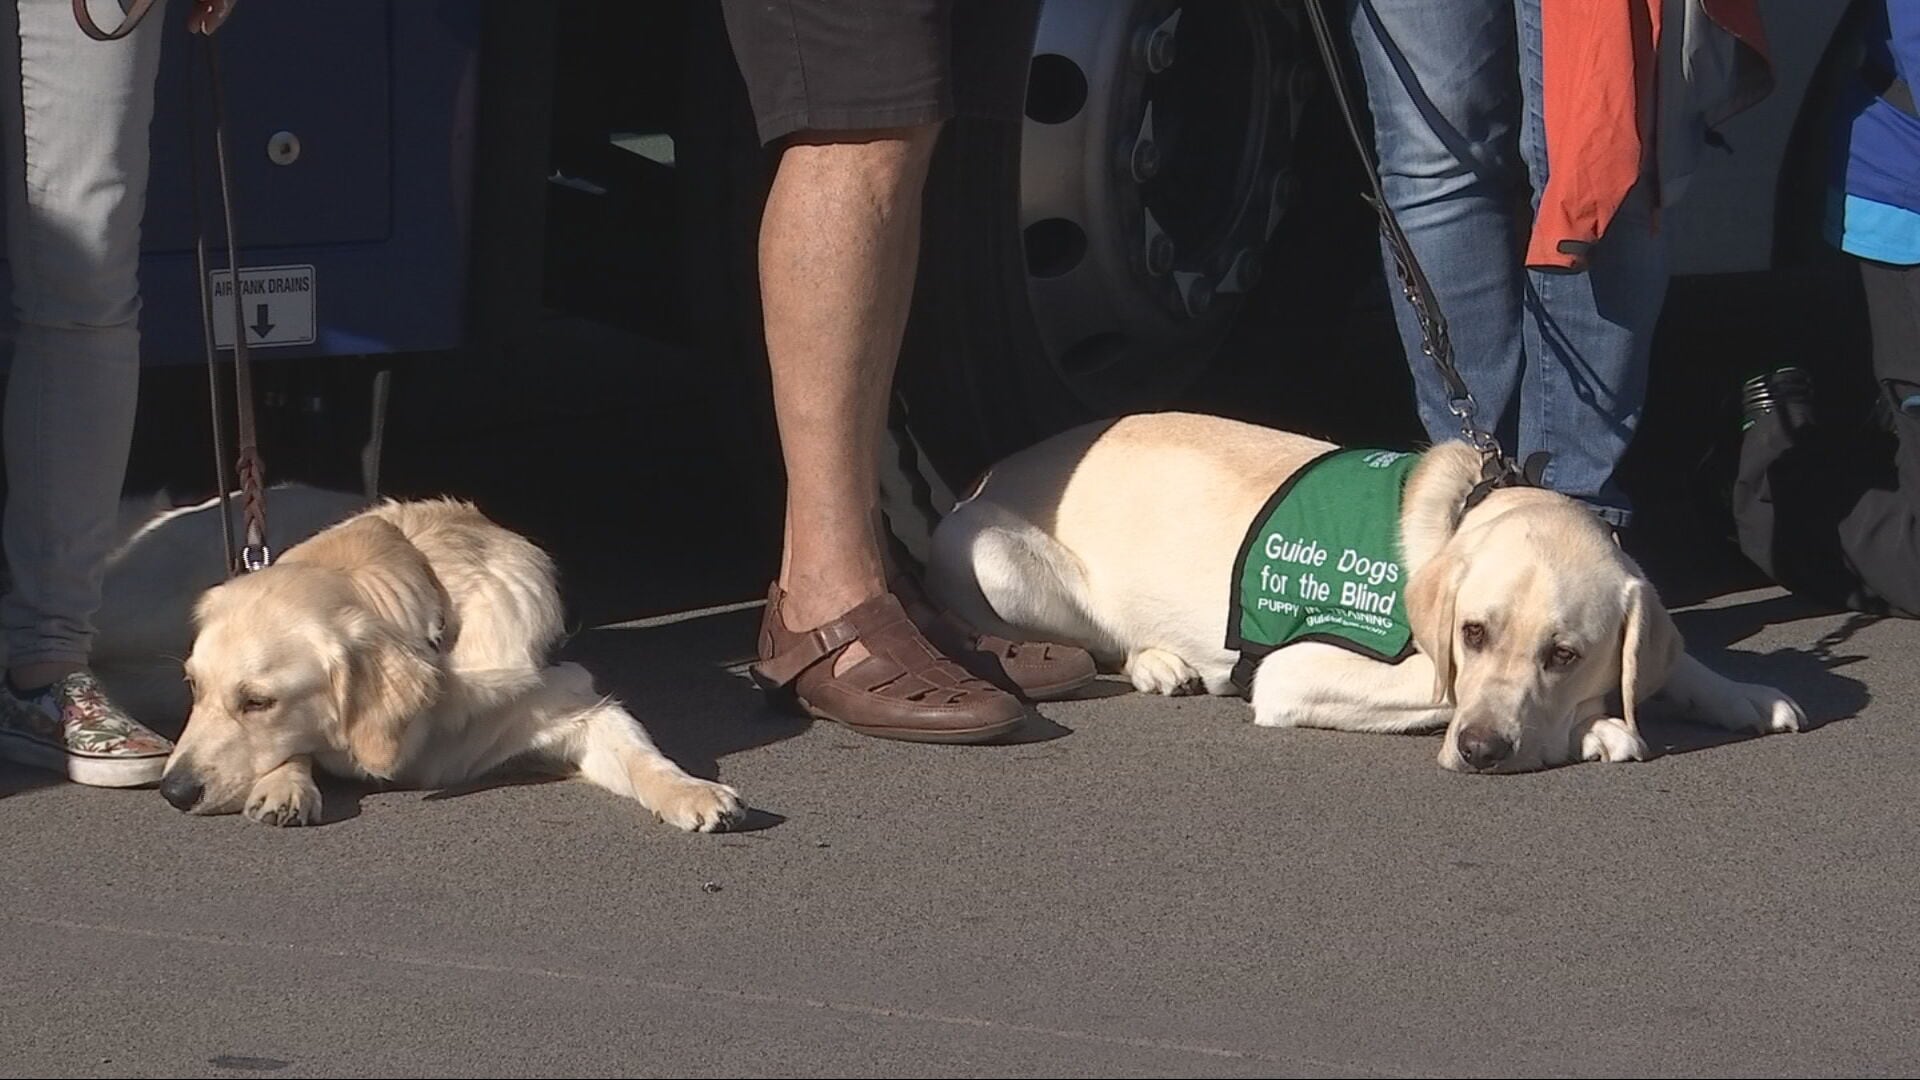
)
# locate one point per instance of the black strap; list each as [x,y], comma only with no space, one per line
[250,473]
[1888,86]
[255,554]
[1436,342]
[222,455]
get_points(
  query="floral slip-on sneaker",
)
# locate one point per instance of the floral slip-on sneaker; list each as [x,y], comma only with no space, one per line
[73,728]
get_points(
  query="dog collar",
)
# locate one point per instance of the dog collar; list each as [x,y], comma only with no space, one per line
[1500,471]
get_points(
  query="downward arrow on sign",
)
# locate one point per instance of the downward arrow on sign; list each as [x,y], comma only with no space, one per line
[260,324]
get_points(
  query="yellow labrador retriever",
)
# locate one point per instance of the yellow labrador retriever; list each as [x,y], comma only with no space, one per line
[1527,634]
[408,643]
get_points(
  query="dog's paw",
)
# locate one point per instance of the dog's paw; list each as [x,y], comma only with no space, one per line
[284,798]
[1157,671]
[1608,738]
[1712,698]
[1766,710]
[697,805]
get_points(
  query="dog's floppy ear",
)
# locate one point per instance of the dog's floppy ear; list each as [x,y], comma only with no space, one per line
[1435,499]
[380,682]
[390,574]
[1430,601]
[1649,647]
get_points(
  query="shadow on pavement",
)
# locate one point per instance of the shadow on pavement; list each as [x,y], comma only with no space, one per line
[686,683]
[18,779]
[1810,675]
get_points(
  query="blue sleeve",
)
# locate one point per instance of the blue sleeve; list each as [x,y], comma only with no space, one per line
[1876,149]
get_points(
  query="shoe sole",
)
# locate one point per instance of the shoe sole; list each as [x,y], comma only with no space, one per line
[110,772]
[947,736]
[790,703]
[1056,691]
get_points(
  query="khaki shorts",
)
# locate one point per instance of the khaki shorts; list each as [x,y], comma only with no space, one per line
[856,65]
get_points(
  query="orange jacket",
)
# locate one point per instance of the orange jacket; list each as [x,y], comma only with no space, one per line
[1609,101]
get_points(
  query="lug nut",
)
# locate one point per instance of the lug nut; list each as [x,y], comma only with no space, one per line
[1145,160]
[1160,50]
[1198,295]
[1159,254]
[1249,270]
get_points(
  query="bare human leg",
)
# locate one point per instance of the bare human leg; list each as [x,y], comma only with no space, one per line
[839,250]
[839,246]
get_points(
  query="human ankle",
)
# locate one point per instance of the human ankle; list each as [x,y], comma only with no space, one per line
[814,601]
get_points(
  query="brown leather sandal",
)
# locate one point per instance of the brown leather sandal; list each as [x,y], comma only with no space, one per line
[904,689]
[1035,670]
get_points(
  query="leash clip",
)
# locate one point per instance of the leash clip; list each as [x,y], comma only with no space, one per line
[255,557]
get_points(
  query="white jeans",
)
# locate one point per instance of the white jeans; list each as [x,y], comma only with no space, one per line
[75,119]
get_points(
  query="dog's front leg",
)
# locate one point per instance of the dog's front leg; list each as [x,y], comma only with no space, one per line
[1316,685]
[1705,694]
[612,750]
[287,795]
[620,757]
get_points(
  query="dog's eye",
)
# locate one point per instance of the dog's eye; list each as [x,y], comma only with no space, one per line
[1474,634]
[1562,657]
[256,703]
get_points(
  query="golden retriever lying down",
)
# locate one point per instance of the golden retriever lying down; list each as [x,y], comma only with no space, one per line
[1523,632]
[408,643]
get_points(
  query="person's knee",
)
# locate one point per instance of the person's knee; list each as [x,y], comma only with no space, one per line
[78,283]
[1446,119]
[882,166]
[876,151]
[63,303]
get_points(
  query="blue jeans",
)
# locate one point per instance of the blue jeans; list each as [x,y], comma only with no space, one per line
[1555,361]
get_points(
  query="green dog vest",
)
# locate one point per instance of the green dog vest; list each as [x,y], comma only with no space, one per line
[1321,562]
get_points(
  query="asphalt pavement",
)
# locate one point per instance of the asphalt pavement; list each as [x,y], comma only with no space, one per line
[1135,886]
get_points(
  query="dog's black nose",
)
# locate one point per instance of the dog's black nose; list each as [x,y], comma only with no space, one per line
[1483,748]
[182,790]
